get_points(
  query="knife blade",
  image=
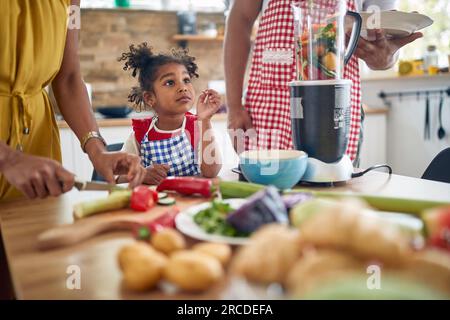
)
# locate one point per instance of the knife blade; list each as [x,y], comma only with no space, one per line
[95,186]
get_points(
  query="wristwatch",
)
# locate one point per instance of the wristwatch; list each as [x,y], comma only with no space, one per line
[91,135]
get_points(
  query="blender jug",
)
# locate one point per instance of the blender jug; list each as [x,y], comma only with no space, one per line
[320,34]
[320,97]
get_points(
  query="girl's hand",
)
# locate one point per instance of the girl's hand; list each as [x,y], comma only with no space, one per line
[156,173]
[109,164]
[208,104]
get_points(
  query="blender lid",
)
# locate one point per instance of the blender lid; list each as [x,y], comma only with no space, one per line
[320,82]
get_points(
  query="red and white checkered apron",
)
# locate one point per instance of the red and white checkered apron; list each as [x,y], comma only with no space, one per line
[267,96]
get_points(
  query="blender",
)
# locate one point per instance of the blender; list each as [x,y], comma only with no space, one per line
[320,96]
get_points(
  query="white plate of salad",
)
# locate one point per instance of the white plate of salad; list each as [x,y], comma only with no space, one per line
[207,222]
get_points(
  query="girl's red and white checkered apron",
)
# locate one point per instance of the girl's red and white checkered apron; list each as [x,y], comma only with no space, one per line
[267,96]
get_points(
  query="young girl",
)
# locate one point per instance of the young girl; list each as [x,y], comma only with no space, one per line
[171,142]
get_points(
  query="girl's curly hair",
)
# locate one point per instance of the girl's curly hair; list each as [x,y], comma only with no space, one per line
[144,63]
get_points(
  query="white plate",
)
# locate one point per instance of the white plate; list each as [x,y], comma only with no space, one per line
[396,24]
[184,222]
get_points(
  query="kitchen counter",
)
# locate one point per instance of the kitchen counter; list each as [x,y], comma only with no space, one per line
[126,122]
[43,274]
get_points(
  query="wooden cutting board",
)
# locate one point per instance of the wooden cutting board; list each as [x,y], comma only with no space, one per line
[125,219]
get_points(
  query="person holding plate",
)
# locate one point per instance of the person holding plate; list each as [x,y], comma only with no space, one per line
[266,108]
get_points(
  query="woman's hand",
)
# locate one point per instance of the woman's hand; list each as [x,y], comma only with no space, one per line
[208,104]
[156,173]
[109,164]
[380,54]
[239,122]
[36,176]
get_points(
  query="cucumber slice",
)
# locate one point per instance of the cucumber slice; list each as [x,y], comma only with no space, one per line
[162,195]
[166,201]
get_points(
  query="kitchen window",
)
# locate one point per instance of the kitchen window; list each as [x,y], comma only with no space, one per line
[438,34]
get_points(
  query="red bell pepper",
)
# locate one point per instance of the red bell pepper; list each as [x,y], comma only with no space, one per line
[187,186]
[155,195]
[166,220]
[142,198]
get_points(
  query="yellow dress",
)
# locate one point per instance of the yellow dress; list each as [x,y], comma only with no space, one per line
[32,41]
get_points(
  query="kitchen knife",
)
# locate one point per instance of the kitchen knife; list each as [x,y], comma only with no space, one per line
[96,186]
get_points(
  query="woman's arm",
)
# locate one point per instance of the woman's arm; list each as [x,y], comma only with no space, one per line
[237,46]
[154,174]
[71,95]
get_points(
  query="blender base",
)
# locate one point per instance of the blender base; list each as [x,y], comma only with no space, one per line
[321,172]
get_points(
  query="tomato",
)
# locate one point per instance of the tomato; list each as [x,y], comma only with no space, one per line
[437,222]
[155,195]
[142,198]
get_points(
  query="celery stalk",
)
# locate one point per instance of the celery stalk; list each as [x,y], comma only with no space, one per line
[411,206]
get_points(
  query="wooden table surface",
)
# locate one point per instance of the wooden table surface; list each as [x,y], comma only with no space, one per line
[42,274]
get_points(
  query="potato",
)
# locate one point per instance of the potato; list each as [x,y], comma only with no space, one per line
[344,226]
[319,266]
[142,266]
[168,240]
[193,271]
[221,252]
[272,251]
[430,266]
[129,252]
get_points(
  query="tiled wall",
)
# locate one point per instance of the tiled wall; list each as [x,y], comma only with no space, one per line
[106,33]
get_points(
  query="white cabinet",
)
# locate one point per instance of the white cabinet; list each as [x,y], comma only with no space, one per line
[374,148]
[75,160]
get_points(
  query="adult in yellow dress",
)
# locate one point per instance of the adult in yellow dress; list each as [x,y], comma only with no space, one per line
[39,48]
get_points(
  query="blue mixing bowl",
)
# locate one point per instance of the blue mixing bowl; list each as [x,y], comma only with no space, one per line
[281,168]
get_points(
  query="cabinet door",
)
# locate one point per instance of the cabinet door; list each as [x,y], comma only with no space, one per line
[374,140]
[75,160]
[115,134]
[229,157]
[67,149]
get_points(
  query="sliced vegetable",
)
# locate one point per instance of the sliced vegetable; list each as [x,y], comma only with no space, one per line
[213,220]
[142,198]
[116,200]
[265,206]
[187,186]
[162,195]
[412,206]
[166,201]
[166,220]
